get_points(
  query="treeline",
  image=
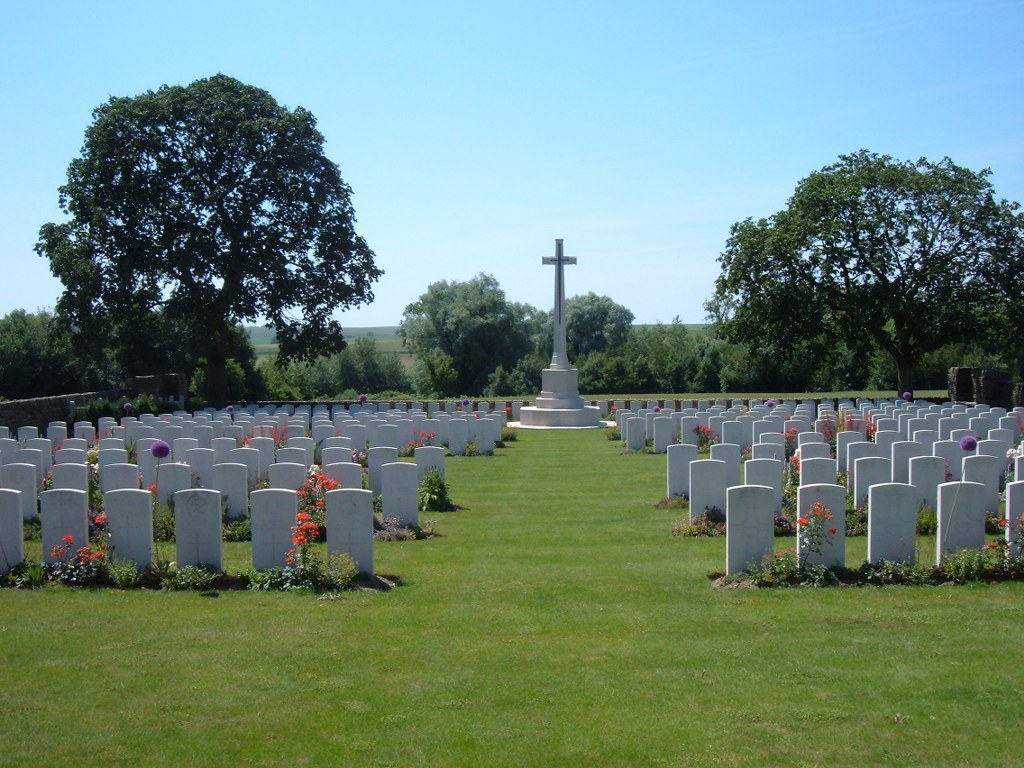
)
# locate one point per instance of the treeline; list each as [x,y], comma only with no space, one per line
[468,340]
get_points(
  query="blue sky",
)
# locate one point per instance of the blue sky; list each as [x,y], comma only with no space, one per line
[473,134]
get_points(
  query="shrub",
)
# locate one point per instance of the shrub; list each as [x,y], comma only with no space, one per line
[28,574]
[509,435]
[124,574]
[927,521]
[702,525]
[191,578]
[887,572]
[237,529]
[433,495]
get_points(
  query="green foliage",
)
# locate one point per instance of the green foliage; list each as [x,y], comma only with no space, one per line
[337,574]
[927,521]
[391,529]
[870,249]
[267,233]
[434,495]
[708,524]
[469,328]
[191,578]
[28,574]
[595,323]
[237,529]
[887,573]
[124,574]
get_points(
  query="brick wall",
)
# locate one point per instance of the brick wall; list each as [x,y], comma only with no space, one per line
[40,411]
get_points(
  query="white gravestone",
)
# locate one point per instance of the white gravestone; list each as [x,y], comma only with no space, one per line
[197,528]
[428,457]
[399,492]
[927,473]
[347,473]
[749,526]
[1015,516]
[130,522]
[116,476]
[961,518]
[349,520]
[832,539]
[375,459]
[232,482]
[679,456]
[22,478]
[12,530]
[64,512]
[892,522]
[707,487]
[769,473]
[287,475]
[273,517]
[70,476]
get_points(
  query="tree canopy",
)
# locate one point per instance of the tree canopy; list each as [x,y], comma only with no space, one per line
[466,328]
[871,248]
[202,207]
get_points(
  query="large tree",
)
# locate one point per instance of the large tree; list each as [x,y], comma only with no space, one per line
[472,325]
[868,247]
[595,323]
[215,205]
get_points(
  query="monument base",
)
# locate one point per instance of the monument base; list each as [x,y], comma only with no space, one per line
[559,404]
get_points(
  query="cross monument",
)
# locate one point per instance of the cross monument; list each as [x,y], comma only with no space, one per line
[559,358]
[559,404]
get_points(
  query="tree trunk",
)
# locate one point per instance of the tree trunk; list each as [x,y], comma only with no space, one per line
[905,374]
[217,366]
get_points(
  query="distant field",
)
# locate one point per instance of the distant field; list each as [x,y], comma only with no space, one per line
[386,336]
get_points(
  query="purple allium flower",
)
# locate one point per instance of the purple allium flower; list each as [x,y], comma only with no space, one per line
[657,409]
[968,442]
[160,449]
[127,407]
[231,409]
[362,398]
[908,396]
[465,401]
[771,403]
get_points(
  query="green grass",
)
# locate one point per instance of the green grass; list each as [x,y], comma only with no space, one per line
[555,622]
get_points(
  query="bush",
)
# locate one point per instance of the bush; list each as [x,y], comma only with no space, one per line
[237,529]
[124,574]
[433,494]
[191,578]
[927,521]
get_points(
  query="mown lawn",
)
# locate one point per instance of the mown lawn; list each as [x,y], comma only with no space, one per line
[555,622]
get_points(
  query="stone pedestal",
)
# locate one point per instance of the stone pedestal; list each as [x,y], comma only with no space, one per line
[560,404]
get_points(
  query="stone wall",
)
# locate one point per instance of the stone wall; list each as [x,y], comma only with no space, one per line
[40,411]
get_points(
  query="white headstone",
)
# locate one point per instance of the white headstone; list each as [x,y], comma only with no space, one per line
[130,523]
[399,492]
[961,518]
[749,525]
[273,517]
[197,528]
[349,520]
[64,512]
[892,522]
[12,530]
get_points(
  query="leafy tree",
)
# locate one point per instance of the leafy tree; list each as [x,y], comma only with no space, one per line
[36,360]
[473,324]
[595,323]
[216,206]
[868,246]
[1002,272]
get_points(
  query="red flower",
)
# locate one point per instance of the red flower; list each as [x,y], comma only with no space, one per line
[802,521]
[101,519]
[832,531]
[68,540]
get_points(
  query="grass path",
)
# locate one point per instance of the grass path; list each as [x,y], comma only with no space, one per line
[555,622]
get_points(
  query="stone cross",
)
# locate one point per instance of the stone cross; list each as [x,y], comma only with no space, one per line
[559,358]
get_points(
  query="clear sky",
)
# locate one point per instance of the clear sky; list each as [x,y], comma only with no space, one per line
[475,133]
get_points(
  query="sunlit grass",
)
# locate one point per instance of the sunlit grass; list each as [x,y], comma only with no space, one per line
[554,622]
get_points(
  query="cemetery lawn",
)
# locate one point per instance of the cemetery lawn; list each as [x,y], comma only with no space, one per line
[554,622]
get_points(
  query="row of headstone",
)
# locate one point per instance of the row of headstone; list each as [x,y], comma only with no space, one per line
[892,522]
[197,523]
